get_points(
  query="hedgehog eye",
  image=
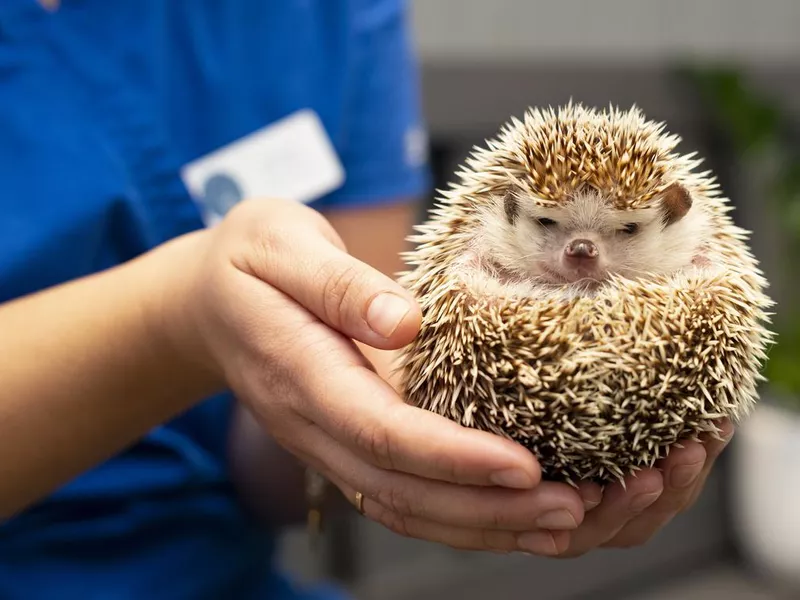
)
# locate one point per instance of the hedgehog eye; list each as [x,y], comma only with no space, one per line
[545,222]
[630,228]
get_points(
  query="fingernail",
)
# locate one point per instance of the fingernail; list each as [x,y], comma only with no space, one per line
[685,475]
[538,542]
[591,496]
[639,503]
[512,478]
[557,519]
[590,504]
[386,312]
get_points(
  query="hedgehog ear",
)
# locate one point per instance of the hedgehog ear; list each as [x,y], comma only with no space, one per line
[675,203]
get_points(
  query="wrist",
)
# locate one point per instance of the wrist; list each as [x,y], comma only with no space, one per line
[173,313]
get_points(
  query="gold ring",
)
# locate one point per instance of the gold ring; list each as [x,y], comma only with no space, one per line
[360,502]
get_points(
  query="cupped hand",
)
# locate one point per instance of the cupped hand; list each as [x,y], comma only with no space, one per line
[632,514]
[277,302]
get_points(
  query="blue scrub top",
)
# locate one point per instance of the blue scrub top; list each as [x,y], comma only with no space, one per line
[101,104]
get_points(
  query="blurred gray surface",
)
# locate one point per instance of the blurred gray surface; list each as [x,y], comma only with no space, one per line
[623,31]
[468,101]
[720,583]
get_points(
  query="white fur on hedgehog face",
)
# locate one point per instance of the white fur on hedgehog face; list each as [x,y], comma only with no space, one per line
[537,245]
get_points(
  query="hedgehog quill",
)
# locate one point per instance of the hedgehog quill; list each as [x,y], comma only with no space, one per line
[585,293]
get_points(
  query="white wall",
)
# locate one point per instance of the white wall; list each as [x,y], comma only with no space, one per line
[601,30]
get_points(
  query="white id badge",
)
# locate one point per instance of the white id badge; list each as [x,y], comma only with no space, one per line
[292,158]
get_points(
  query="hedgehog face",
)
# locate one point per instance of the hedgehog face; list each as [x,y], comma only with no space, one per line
[582,241]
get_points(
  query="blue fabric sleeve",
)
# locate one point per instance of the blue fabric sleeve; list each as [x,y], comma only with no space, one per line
[385,151]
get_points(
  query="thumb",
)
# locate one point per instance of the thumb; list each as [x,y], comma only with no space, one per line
[346,294]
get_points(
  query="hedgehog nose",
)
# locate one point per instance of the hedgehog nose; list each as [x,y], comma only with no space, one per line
[581,249]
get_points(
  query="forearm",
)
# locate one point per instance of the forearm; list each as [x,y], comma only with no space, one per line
[89,367]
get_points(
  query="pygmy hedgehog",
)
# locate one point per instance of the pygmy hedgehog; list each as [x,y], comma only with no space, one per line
[585,293]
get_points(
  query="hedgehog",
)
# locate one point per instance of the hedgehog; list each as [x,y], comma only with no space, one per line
[585,293]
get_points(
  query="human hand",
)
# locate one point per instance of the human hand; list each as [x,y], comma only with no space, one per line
[276,302]
[631,515]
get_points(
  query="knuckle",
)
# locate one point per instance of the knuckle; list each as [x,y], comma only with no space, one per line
[341,282]
[498,519]
[269,242]
[498,541]
[396,500]
[374,440]
[273,374]
[447,466]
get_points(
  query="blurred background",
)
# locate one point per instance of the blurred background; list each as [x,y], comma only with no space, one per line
[725,75]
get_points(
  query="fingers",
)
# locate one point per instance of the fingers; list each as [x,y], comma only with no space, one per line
[364,413]
[619,522]
[681,469]
[536,541]
[591,494]
[458,516]
[685,470]
[471,534]
[618,507]
[548,506]
[300,259]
